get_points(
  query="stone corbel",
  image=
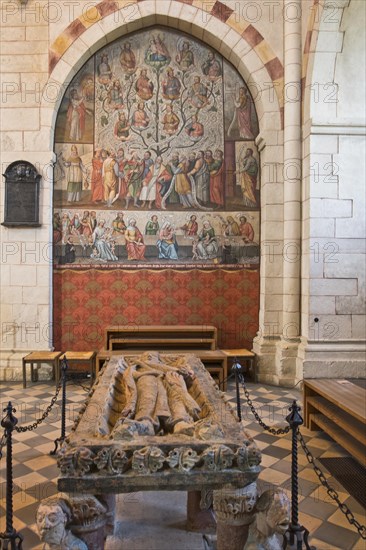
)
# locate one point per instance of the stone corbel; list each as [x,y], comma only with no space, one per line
[234,513]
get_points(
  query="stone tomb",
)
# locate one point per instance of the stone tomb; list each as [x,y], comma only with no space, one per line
[159,422]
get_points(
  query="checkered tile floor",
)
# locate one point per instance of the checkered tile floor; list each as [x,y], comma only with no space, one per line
[35,471]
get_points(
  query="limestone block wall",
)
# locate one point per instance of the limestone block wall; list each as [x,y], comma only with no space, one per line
[26,252]
[333,263]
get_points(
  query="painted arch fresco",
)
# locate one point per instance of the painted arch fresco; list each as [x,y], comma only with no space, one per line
[156,159]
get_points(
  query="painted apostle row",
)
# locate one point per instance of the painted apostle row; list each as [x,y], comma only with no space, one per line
[193,181]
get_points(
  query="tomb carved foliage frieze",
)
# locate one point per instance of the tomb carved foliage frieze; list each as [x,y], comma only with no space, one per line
[82,461]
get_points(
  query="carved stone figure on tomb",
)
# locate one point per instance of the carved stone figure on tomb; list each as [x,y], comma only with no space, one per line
[53,516]
[157,399]
[272,518]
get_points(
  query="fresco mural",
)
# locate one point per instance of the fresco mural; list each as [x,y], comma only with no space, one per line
[156,159]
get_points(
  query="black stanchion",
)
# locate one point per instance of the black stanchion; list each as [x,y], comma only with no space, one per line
[297,534]
[10,538]
[60,440]
[236,368]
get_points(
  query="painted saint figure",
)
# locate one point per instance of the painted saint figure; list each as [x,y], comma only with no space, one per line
[157,52]
[207,247]
[151,184]
[104,70]
[101,244]
[134,177]
[75,173]
[217,175]
[110,178]
[171,86]
[122,127]
[76,112]
[152,226]
[170,121]
[167,243]
[248,178]
[212,67]
[194,129]
[118,225]
[96,186]
[246,230]
[144,87]
[198,94]
[134,242]
[185,57]
[140,119]
[191,227]
[201,176]
[242,115]
[127,58]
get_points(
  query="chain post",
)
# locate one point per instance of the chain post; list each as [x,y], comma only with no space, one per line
[331,492]
[10,536]
[295,532]
[59,440]
[236,368]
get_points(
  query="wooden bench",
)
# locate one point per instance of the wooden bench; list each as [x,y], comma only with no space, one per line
[76,358]
[201,340]
[37,358]
[338,407]
[144,337]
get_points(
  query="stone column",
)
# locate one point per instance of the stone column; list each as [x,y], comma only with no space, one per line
[288,344]
[199,512]
[234,513]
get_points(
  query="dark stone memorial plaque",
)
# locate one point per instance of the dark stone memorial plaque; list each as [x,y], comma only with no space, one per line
[22,183]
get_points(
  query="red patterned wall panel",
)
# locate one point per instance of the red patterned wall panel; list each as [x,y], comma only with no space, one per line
[86,302]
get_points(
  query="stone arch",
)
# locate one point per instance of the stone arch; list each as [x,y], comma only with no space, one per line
[239,42]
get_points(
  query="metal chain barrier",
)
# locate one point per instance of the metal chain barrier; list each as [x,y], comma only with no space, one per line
[273,431]
[331,492]
[33,426]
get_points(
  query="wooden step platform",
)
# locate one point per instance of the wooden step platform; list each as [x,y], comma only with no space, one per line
[338,407]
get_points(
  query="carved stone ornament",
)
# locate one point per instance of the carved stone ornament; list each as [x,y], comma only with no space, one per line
[75,461]
[86,510]
[272,519]
[182,458]
[235,506]
[218,457]
[148,460]
[53,518]
[248,456]
[112,459]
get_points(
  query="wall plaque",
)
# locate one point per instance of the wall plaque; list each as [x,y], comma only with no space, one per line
[22,183]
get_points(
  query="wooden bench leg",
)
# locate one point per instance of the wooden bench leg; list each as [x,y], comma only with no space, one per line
[24,366]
